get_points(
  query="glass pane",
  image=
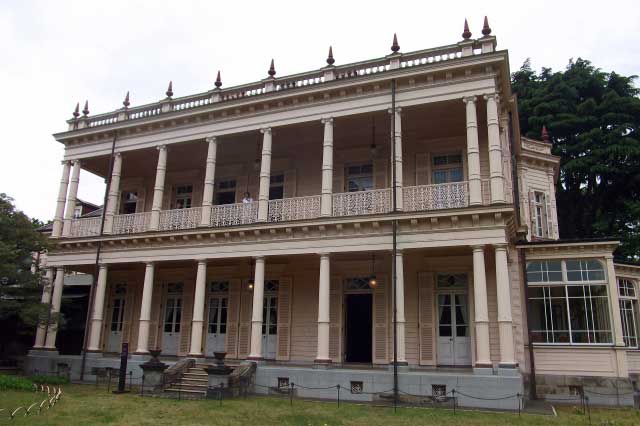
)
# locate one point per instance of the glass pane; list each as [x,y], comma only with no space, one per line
[276,192]
[461,331]
[445,331]
[439,176]
[456,175]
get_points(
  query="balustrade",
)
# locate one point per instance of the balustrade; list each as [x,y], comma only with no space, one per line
[180,219]
[362,202]
[434,197]
[85,227]
[296,208]
[234,214]
[131,223]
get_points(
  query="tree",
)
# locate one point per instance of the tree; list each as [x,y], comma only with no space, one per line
[593,119]
[20,287]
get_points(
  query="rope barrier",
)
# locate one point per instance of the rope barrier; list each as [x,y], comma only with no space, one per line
[487,399]
[609,394]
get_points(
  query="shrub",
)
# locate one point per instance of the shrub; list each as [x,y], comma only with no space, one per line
[15,383]
[49,380]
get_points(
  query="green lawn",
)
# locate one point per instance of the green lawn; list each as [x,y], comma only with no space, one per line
[87,405]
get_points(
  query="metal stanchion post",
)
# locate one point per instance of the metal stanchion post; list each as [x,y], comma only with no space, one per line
[109,381]
[130,380]
[142,387]
[519,403]
[291,393]
[180,387]
[453,394]
[338,387]
[586,400]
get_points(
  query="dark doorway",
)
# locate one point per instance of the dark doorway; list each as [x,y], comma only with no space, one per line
[359,326]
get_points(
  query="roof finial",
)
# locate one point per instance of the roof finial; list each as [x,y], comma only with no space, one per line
[170,89]
[466,34]
[76,111]
[395,47]
[330,59]
[486,29]
[272,69]
[545,134]
[218,82]
[85,110]
[126,102]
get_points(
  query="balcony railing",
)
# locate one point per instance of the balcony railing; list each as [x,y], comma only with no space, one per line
[297,208]
[180,219]
[233,214]
[362,202]
[415,198]
[436,197]
[131,223]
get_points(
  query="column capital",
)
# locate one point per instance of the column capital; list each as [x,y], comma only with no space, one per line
[493,96]
[477,247]
[65,162]
[266,130]
[211,138]
[76,161]
[103,265]
[324,254]
[399,252]
[117,154]
[201,261]
[609,257]
[258,258]
[500,246]
[398,110]
[147,264]
[469,99]
[161,147]
[326,120]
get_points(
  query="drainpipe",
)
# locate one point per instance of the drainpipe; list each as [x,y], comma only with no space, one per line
[533,394]
[97,263]
[394,243]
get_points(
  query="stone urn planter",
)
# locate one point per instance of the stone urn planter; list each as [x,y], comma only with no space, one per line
[218,375]
[154,370]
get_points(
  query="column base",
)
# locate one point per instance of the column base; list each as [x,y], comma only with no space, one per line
[402,366]
[93,351]
[483,369]
[255,358]
[508,369]
[320,364]
[195,356]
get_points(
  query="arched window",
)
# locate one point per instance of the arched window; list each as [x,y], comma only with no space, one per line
[628,311]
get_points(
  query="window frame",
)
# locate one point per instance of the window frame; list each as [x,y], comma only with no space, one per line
[433,168]
[565,284]
[227,190]
[279,184]
[184,196]
[632,300]
[357,176]
[124,202]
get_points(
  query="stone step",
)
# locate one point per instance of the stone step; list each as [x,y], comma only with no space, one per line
[196,379]
[188,387]
[195,375]
[178,389]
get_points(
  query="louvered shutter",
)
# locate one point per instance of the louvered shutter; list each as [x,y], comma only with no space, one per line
[253,185]
[167,197]
[233,318]
[187,315]
[425,318]
[140,203]
[338,178]
[128,314]
[241,188]
[118,204]
[135,314]
[106,318]
[284,319]
[422,169]
[335,320]
[549,211]
[157,303]
[380,321]
[532,212]
[244,332]
[380,172]
[290,188]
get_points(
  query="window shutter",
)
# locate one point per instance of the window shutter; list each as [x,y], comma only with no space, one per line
[380,321]
[425,318]
[140,203]
[241,188]
[290,189]
[233,313]
[335,320]
[338,178]
[119,203]
[380,168]
[253,185]
[157,302]
[106,318]
[532,212]
[422,169]
[167,197]
[547,200]
[244,329]
[187,315]
[284,319]
[128,315]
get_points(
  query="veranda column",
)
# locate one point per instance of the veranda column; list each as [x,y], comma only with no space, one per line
[481,320]
[98,310]
[505,323]
[114,190]
[265,176]
[615,302]
[145,310]
[495,150]
[71,198]
[158,188]
[209,181]
[55,309]
[45,300]
[397,161]
[473,152]
[326,200]
[256,317]
[399,303]
[62,197]
[197,323]
[324,286]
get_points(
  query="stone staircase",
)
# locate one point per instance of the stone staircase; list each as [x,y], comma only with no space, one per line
[193,382]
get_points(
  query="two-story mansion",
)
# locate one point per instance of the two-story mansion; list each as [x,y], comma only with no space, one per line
[260,220]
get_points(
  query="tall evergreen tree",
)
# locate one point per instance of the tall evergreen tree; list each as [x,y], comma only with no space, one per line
[593,119]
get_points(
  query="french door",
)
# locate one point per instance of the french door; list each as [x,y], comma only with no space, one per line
[217,324]
[454,342]
[114,339]
[270,326]
[172,319]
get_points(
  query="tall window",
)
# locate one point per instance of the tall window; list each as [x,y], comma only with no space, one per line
[226,192]
[276,187]
[568,302]
[540,219]
[628,312]
[129,202]
[184,194]
[446,168]
[359,177]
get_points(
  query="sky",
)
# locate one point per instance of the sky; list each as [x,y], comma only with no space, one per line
[54,54]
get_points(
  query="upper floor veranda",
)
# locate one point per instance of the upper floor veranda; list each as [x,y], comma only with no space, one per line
[314,145]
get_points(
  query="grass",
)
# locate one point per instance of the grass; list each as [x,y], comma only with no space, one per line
[10,382]
[88,405]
